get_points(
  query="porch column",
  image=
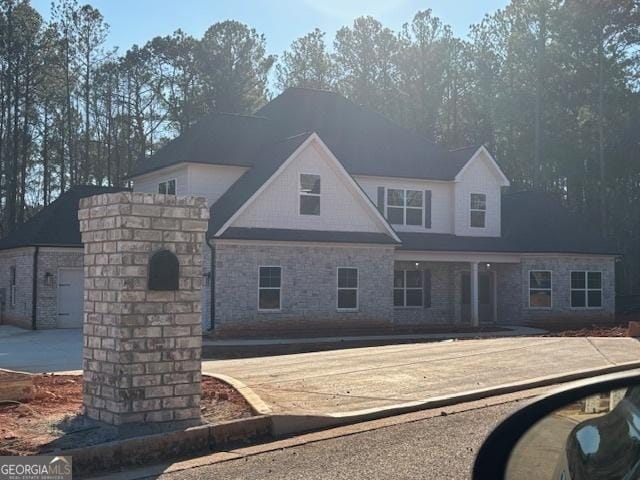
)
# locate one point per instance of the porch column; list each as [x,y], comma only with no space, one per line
[475,320]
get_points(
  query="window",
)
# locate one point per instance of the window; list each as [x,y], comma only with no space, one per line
[347,288]
[404,207]
[540,289]
[167,188]
[309,194]
[12,286]
[269,288]
[586,289]
[478,210]
[407,288]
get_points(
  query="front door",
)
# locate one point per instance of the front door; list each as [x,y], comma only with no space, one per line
[485,297]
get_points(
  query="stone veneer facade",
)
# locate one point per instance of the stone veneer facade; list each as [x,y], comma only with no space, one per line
[142,348]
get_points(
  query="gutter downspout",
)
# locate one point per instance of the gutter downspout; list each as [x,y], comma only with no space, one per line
[212,285]
[34,290]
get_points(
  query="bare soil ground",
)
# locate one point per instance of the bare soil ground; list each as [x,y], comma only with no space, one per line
[617,330]
[53,418]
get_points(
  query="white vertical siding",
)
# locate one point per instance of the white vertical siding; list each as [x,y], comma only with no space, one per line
[209,181]
[478,177]
[341,206]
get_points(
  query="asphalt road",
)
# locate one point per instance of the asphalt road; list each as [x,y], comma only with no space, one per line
[442,447]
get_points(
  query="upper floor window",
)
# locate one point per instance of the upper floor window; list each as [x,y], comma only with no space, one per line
[478,210]
[309,194]
[405,207]
[168,187]
[586,289]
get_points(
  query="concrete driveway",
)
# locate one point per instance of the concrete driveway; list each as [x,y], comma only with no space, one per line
[365,378]
[40,350]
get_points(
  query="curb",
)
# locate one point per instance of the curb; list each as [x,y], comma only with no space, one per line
[258,406]
[289,424]
[138,451]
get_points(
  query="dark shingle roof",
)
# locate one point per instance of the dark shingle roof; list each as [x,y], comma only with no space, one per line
[218,138]
[365,142]
[270,160]
[532,222]
[281,234]
[57,224]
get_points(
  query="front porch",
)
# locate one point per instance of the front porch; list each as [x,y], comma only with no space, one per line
[449,288]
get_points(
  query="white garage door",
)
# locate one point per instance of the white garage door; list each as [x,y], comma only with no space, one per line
[70,297]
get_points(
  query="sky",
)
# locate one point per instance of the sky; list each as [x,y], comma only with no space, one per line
[282,21]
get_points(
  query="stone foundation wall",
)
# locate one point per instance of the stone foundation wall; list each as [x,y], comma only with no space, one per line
[309,287]
[513,290]
[142,348]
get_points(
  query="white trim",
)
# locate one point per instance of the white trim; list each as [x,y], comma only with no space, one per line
[550,307]
[312,138]
[300,194]
[504,181]
[270,310]
[357,289]
[586,290]
[445,256]
[231,241]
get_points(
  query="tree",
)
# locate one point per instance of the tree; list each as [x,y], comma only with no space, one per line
[232,67]
[306,64]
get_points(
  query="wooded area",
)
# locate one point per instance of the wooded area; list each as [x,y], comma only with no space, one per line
[551,87]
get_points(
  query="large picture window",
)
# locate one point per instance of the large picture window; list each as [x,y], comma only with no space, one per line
[347,288]
[478,210]
[540,289]
[270,288]
[405,207]
[586,289]
[167,188]
[407,288]
[309,194]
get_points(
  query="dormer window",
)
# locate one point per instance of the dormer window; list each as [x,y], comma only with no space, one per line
[309,194]
[405,207]
[478,210]
[168,187]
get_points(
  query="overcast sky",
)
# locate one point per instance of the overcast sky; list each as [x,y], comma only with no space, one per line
[282,21]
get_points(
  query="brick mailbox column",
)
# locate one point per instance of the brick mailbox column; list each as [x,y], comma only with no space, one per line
[142,327]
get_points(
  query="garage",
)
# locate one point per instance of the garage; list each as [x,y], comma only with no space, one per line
[70,297]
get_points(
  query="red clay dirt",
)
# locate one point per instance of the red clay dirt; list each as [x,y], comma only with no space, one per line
[31,427]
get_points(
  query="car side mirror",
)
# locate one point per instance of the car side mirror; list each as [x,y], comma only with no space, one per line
[590,430]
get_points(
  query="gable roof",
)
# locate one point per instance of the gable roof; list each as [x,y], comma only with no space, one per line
[273,161]
[493,165]
[366,142]
[532,222]
[57,224]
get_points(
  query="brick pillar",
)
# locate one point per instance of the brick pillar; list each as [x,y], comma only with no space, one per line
[142,348]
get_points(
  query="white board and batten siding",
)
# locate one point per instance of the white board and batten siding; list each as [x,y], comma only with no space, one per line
[70,297]
[441,200]
[478,177]
[342,206]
